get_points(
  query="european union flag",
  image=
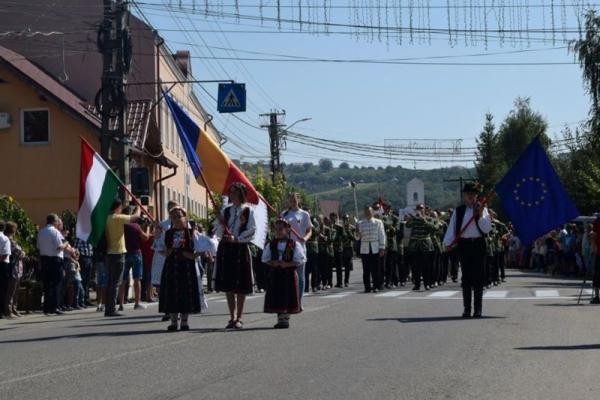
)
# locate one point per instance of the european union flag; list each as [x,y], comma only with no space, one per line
[533,196]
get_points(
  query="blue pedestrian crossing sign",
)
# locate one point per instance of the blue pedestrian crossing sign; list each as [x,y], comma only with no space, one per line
[232,97]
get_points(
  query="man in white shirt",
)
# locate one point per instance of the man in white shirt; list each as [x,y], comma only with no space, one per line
[51,244]
[467,229]
[301,231]
[372,248]
[4,267]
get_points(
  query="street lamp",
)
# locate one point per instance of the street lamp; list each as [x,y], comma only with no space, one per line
[297,122]
[284,131]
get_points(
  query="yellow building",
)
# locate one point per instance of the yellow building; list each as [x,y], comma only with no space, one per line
[41,123]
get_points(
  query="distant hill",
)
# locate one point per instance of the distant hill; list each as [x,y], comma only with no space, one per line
[332,183]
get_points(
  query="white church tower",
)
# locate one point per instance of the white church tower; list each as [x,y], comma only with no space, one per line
[415,193]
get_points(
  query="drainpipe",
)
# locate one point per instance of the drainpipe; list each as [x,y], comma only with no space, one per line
[159,211]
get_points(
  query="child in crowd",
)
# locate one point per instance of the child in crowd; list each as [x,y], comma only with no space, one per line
[78,293]
[282,255]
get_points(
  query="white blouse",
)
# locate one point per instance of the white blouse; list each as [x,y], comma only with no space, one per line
[234,224]
[299,257]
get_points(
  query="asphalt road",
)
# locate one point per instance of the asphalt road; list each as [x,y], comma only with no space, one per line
[535,343]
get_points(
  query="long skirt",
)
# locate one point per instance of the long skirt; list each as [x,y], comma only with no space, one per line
[282,295]
[233,269]
[179,289]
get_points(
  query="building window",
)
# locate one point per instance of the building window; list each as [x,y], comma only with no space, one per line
[35,126]
[415,196]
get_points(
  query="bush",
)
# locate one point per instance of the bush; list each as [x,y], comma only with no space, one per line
[26,235]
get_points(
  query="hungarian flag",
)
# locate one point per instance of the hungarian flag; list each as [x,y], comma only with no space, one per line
[98,186]
[206,156]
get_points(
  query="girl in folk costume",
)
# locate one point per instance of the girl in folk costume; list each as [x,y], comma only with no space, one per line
[179,288]
[283,255]
[233,270]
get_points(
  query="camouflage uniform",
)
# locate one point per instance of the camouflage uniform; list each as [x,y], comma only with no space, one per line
[348,250]
[338,250]
[391,224]
[311,271]
[403,265]
[501,230]
[420,250]
[441,265]
[326,254]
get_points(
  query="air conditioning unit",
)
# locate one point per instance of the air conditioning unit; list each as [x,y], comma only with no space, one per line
[5,122]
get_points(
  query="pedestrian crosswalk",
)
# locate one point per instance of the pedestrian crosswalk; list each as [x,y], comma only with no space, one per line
[491,294]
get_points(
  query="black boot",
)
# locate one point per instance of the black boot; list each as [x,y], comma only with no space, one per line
[478,302]
[467,302]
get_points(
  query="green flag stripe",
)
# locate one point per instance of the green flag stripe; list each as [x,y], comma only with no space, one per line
[102,209]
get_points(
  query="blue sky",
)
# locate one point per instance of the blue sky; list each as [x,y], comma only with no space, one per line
[371,102]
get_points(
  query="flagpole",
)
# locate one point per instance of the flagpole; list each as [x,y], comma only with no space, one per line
[121,184]
[214,203]
[270,207]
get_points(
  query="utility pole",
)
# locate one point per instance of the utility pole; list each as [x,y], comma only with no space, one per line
[276,144]
[461,182]
[114,42]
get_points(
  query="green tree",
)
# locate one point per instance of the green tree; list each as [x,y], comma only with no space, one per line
[518,129]
[488,164]
[579,170]
[587,51]
[344,165]
[26,235]
[580,167]
[325,165]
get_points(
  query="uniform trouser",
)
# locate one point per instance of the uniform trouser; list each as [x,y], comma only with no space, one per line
[420,263]
[445,262]
[403,268]
[435,267]
[391,268]
[453,264]
[501,264]
[339,268]
[51,276]
[371,265]
[347,263]
[115,263]
[495,273]
[476,293]
[325,272]
[311,272]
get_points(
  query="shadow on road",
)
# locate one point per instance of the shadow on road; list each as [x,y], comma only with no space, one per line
[583,303]
[87,335]
[119,322]
[430,319]
[556,348]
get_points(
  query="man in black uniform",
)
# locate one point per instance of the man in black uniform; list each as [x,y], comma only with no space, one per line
[338,249]
[469,225]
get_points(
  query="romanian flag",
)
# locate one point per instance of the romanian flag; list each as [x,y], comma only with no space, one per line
[205,155]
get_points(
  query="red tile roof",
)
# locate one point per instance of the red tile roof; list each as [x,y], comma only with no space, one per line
[52,88]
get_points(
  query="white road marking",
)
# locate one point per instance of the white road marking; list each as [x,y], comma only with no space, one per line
[394,293]
[337,295]
[547,293]
[495,294]
[587,291]
[443,293]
